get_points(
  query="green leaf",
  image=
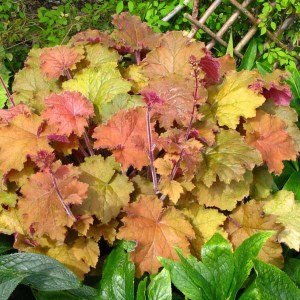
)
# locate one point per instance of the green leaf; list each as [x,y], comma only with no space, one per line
[130,6]
[294,82]
[292,268]
[83,293]
[251,293]
[262,68]
[292,185]
[119,7]
[160,287]
[218,258]
[230,45]
[243,256]
[9,280]
[118,276]
[141,290]
[39,271]
[273,283]
[184,278]
[249,57]
[273,25]
[288,170]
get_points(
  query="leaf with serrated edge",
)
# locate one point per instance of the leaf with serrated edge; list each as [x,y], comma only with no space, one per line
[234,99]
[156,231]
[228,159]
[108,190]
[287,210]
[249,219]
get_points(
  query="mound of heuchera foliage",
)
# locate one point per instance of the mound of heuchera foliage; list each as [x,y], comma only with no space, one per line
[143,136]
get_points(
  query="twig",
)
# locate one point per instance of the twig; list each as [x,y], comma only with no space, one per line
[151,149]
[9,96]
[175,11]
[60,197]
[195,12]
[211,33]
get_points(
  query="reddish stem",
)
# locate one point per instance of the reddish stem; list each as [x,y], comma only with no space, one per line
[60,197]
[137,55]
[150,150]
[68,74]
[88,144]
[9,96]
[84,153]
[188,131]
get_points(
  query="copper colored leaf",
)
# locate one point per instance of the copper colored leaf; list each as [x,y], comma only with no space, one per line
[91,37]
[68,112]
[41,207]
[19,139]
[157,232]
[126,135]
[227,64]
[57,60]
[132,34]
[249,219]
[83,224]
[108,190]
[267,134]
[228,159]
[177,94]
[172,56]
[6,115]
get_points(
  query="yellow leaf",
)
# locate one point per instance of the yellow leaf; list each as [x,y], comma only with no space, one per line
[98,54]
[287,211]
[224,196]
[163,166]
[86,250]
[172,188]
[234,98]
[108,189]
[134,75]
[205,222]
[228,159]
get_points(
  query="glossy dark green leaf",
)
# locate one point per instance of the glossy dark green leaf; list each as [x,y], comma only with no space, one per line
[273,283]
[184,278]
[160,287]
[83,293]
[118,276]
[249,56]
[141,290]
[292,268]
[251,293]
[243,256]
[294,82]
[217,256]
[288,170]
[40,271]
[9,280]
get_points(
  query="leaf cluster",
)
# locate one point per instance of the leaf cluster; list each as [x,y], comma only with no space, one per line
[144,136]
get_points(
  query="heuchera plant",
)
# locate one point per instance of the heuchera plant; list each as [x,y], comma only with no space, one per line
[143,136]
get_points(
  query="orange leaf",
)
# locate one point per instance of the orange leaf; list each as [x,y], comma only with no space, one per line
[6,115]
[68,112]
[57,60]
[267,134]
[177,94]
[133,34]
[23,136]
[157,231]
[172,56]
[41,207]
[249,219]
[126,135]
